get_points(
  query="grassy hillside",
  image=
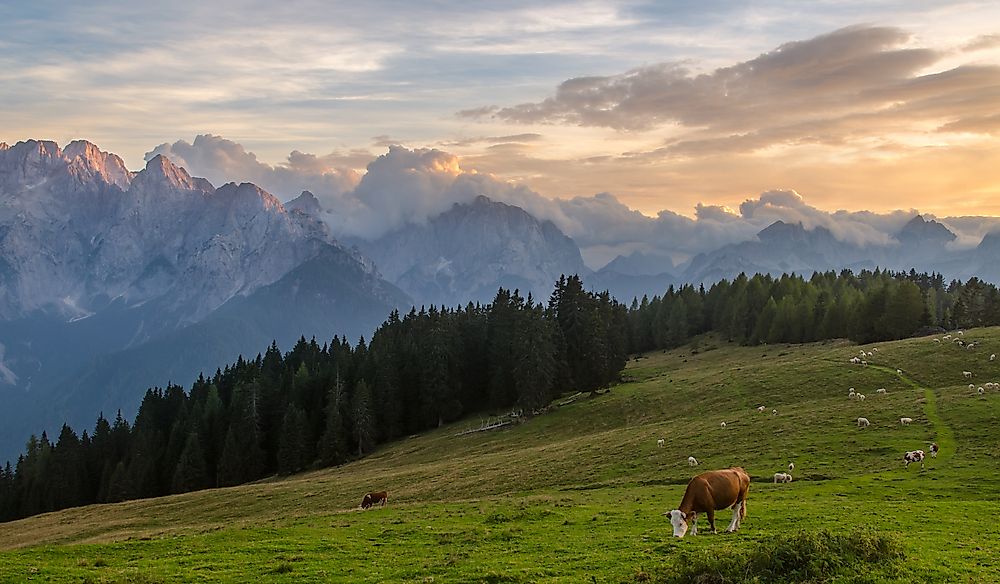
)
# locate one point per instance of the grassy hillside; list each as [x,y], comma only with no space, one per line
[577,494]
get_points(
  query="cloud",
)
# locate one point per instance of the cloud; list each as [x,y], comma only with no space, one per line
[856,83]
[405,186]
[221,160]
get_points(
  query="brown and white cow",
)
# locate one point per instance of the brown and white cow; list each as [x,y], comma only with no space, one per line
[709,492]
[375,498]
[913,456]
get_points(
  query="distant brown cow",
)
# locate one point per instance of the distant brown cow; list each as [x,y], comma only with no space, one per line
[379,498]
[709,492]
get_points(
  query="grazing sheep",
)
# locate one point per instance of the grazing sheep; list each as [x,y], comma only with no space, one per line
[993,357]
[960,333]
[692,461]
[855,360]
[865,363]
[862,352]
[774,412]
[972,386]
[899,372]
[660,443]
[863,423]
[967,374]
[870,354]
[946,337]
[905,421]
[970,346]
[722,425]
[791,466]
[861,397]
[880,390]
[981,391]
[782,477]
[937,340]
[761,409]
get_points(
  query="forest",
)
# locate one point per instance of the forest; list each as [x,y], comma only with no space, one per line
[320,405]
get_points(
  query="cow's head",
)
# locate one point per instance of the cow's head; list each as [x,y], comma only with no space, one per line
[679,520]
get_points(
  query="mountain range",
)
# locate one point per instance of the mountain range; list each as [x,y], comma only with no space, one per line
[112,281]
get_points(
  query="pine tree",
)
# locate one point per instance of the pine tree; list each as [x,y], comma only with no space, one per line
[293,447]
[362,418]
[191,473]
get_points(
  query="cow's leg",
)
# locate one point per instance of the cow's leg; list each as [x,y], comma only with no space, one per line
[711,519]
[735,523]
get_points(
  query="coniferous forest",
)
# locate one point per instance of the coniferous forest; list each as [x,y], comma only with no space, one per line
[321,405]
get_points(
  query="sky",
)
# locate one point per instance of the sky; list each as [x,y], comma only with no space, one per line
[692,109]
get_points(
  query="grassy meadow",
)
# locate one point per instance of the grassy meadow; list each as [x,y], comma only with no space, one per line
[576,495]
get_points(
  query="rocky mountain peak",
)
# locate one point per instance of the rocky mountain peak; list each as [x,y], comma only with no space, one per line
[86,160]
[160,173]
[306,203]
[920,230]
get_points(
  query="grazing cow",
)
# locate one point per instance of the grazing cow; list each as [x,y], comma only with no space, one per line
[934,449]
[761,408]
[863,423]
[710,492]
[791,466]
[692,461]
[913,456]
[660,443]
[880,390]
[967,374]
[905,421]
[375,498]
[782,477]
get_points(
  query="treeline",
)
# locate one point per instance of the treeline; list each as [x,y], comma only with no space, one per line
[322,405]
[865,307]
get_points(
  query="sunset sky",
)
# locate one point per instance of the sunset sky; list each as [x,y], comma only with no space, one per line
[856,105]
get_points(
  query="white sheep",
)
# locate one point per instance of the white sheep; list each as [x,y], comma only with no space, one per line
[967,374]
[937,340]
[880,390]
[870,354]
[899,372]
[993,357]
[863,423]
[761,409]
[861,397]
[865,363]
[782,477]
[946,337]
[722,425]
[960,333]
[774,412]
[970,346]
[692,461]
[854,360]
[791,466]
[972,386]
[660,443]
[981,391]
[905,421]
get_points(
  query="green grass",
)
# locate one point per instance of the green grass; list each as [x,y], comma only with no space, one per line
[576,495]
